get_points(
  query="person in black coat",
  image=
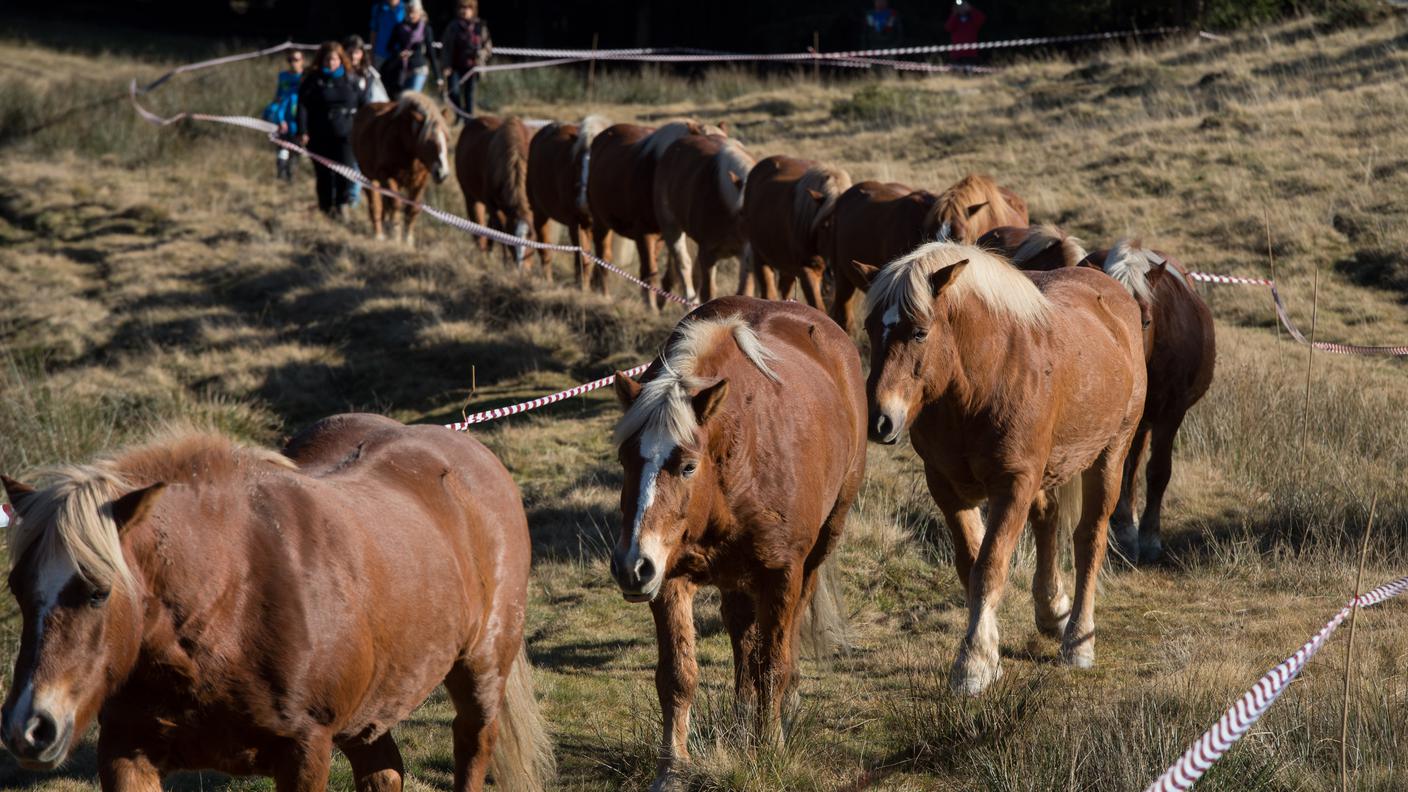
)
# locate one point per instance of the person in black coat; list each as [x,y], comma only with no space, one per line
[328,99]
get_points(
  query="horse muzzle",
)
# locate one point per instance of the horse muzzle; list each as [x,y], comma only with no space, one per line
[886,426]
[637,576]
[41,741]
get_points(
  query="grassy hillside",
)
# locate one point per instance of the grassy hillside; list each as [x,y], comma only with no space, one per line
[159,274]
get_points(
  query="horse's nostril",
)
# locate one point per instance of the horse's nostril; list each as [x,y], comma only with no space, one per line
[40,732]
[883,425]
[645,571]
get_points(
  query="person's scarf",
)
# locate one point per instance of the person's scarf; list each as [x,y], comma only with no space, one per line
[337,73]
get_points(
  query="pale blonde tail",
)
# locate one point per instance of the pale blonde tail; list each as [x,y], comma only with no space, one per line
[523,758]
[825,631]
[1069,500]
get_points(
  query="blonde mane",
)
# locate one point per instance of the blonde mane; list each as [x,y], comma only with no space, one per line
[664,404]
[951,209]
[733,159]
[1044,236]
[1004,289]
[656,142]
[807,213]
[587,131]
[1129,264]
[72,514]
[416,102]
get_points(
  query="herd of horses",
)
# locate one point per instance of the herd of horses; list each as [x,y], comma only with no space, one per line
[246,610]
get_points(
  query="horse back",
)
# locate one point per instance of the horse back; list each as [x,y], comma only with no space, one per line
[875,223]
[687,191]
[621,181]
[768,207]
[373,143]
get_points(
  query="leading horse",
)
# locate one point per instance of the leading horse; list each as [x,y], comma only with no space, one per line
[246,611]
[1011,385]
[786,201]
[743,448]
[400,145]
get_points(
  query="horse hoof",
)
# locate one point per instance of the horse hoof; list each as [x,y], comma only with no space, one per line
[971,678]
[1150,550]
[1079,657]
[1055,628]
[667,781]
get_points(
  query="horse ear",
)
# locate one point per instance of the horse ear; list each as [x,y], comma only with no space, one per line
[945,276]
[17,491]
[708,401]
[733,177]
[1156,273]
[867,272]
[627,389]
[817,195]
[132,507]
[723,126]
[972,210]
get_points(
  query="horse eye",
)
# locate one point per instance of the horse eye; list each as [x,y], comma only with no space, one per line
[688,469]
[98,597]
[920,335]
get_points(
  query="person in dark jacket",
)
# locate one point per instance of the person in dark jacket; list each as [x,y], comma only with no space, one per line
[964,23]
[465,46]
[409,65]
[327,101]
[386,15]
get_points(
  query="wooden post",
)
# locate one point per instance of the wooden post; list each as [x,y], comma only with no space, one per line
[591,67]
[816,50]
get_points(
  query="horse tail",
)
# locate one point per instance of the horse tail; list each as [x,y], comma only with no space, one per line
[523,758]
[1129,264]
[734,165]
[587,131]
[808,213]
[509,147]
[825,631]
[1069,499]
[1043,237]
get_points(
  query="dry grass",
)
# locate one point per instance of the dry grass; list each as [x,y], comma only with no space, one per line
[156,274]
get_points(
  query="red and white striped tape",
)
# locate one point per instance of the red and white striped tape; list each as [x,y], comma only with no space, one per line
[533,404]
[1209,277]
[7,515]
[1234,723]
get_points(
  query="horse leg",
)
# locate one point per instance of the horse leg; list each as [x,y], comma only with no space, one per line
[746,267]
[841,311]
[676,674]
[649,268]
[304,768]
[540,233]
[374,210]
[739,617]
[765,277]
[376,766]
[779,604]
[678,267]
[1122,521]
[708,257]
[123,766]
[476,694]
[410,212]
[1101,490]
[965,525]
[480,213]
[811,287]
[1008,506]
[1053,606]
[587,271]
[1158,472]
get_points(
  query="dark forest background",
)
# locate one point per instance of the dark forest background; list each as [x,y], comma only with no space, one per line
[734,25]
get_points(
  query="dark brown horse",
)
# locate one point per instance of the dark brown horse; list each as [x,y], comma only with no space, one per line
[785,203]
[621,190]
[973,206]
[399,145]
[491,165]
[559,159]
[1037,248]
[699,186]
[245,611]
[743,448]
[873,222]
[1181,349]
[1011,385]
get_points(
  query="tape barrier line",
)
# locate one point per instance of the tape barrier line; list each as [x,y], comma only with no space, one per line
[1240,717]
[7,515]
[533,404]
[346,172]
[1284,317]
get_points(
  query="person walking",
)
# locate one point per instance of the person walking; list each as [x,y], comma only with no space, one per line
[466,46]
[368,83]
[284,111]
[882,27]
[964,23]
[327,101]
[410,47]
[386,15]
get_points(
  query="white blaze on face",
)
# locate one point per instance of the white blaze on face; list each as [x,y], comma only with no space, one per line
[656,448]
[888,322]
[54,573]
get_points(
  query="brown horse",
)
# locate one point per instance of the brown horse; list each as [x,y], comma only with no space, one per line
[786,201]
[973,206]
[399,145]
[1181,350]
[1011,384]
[1037,248]
[743,447]
[621,190]
[240,610]
[559,158]
[699,185]
[872,222]
[491,165]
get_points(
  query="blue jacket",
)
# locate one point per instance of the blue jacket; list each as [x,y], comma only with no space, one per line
[284,108]
[385,18]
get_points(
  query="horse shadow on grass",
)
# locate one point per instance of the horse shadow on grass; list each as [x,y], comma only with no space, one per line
[81,769]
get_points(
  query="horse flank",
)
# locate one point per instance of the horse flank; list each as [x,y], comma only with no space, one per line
[1045,236]
[653,147]
[1129,264]
[826,179]
[733,160]
[663,403]
[1001,287]
[75,505]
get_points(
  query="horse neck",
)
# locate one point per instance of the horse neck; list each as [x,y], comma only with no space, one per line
[982,352]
